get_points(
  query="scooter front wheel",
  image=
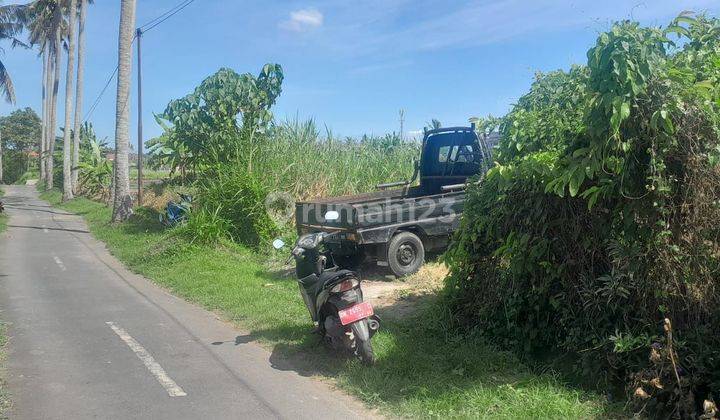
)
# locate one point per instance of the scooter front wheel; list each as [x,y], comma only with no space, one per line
[365,351]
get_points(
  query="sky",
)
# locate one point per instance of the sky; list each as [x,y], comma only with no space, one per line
[350,65]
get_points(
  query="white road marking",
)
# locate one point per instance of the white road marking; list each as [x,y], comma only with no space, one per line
[170,386]
[45,229]
[59,262]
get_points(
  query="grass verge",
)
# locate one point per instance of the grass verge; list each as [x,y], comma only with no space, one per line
[5,401]
[422,370]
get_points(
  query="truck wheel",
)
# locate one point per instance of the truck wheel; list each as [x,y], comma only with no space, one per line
[406,254]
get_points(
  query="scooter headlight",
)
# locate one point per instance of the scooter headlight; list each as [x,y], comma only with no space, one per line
[310,241]
[345,285]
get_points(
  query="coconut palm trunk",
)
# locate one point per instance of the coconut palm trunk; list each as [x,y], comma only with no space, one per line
[122,202]
[69,79]
[79,94]
[53,106]
[48,112]
[43,133]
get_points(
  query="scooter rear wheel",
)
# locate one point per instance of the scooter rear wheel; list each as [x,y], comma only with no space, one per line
[365,351]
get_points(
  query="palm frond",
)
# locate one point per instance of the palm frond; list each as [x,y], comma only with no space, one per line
[7,89]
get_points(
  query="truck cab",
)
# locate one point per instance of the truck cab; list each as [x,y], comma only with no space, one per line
[449,157]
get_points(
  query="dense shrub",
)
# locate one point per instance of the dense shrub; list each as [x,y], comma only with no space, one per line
[15,164]
[231,202]
[599,221]
[32,174]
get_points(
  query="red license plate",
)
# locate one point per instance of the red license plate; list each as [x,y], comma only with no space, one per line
[355,313]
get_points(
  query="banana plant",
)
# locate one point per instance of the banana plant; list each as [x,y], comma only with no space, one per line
[95,169]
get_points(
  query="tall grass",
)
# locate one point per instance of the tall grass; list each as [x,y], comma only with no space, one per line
[297,159]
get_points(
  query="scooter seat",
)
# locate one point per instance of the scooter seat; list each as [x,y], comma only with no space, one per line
[314,284]
[332,277]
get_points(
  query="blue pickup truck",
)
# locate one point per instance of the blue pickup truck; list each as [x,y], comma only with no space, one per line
[396,225]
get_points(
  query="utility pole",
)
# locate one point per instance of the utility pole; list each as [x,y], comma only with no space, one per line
[138,34]
[402,124]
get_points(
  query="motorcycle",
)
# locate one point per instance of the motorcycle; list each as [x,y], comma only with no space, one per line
[176,213]
[333,297]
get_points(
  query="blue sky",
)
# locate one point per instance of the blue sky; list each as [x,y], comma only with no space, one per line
[351,65]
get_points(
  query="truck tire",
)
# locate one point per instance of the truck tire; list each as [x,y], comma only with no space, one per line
[406,254]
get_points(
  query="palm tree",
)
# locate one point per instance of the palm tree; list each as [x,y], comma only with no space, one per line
[43,137]
[45,23]
[69,79]
[122,202]
[79,93]
[57,56]
[11,25]
[38,20]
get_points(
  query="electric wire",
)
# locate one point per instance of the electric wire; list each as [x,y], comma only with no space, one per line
[165,16]
[142,29]
[102,92]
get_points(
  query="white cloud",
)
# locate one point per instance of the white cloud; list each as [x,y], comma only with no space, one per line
[303,20]
[397,28]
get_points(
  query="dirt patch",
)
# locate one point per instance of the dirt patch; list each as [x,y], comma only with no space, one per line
[398,298]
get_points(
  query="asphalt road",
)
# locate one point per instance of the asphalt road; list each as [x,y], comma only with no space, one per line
[89,339]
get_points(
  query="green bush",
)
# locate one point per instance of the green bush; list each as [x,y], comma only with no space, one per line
[31,174]
[231,203]
[599,222]
[15,164]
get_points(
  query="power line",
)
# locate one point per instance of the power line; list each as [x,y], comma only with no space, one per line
[165,16]
[102,92]
[140,30]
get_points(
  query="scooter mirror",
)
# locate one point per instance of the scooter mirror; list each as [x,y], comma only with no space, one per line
[278,243]
[332,215]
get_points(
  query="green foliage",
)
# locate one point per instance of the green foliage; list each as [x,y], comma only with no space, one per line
[205,226]
[16,163]
[31,174]
[296,159]
[95,169]
[21,130]
[233,163]
[231,203]
[20,133]
[222,121]
[599,220]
